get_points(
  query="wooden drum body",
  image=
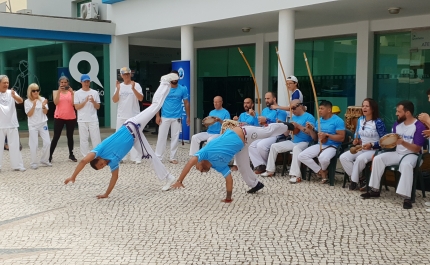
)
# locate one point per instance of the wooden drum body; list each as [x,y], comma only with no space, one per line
[351,117]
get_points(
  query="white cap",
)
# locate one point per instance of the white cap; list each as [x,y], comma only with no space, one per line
[293,78]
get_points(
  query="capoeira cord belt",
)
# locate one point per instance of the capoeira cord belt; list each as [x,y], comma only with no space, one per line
[142,145]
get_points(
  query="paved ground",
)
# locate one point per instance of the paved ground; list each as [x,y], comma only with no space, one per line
[42,221]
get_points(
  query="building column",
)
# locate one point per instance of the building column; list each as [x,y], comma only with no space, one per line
[364,72]
[31,61]
[66,54]
[286,44]
[2,63]
[261,68]
[119,57]
[187,53]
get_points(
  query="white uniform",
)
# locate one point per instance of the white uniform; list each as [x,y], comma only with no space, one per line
[9,128]
[88,121]
[37,125]
[128,106]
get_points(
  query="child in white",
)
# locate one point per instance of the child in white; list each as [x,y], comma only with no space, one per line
[87,102]
[36,108]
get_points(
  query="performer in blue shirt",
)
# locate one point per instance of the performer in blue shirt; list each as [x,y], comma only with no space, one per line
[214,130]
[259,150]
[249,117]
[332,135]
[171,117]
[219,152]
[111,150]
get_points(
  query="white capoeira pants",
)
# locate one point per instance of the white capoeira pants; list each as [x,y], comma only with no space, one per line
[259,150]
[353,164]
[406,170]
[175,126]
[88,130]
[199,137]
[134,155]
[33,142]
[254,133]
[308,155]
[142,119]
[283,147]
[13,142]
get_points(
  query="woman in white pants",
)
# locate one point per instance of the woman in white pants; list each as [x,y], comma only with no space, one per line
[36,108]
[370,128]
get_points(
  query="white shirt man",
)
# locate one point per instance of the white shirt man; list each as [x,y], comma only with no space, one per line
[127,94]
[9,123]
[87,102]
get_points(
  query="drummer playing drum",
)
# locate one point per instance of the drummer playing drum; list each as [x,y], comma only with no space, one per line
[369,129]
[411,141]
[220,114]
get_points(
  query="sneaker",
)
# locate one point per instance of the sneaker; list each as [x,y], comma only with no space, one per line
[138,162]
[48,164]
[427,204]
[22,169]
[294,179]
[353,186]
[258,187]
[170,77]
[371,194]
[260,169]
[73,158]
[407,204]
[34,167]
[267,174]
[170,180]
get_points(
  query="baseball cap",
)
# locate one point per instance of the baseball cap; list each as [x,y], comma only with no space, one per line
[85,78]
[125,70]
[293,78]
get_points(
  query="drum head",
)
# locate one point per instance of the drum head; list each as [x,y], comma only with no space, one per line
[209,120]
[388,141]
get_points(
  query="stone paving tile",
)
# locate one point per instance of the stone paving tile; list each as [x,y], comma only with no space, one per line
[46,222]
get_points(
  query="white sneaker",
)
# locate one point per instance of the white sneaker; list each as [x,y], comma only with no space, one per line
[295,179]
[22,169]
[170,77]
[137,162]
[266,174]
[46,164]
[170,180]
[427,204]
[34,167]
[428,210]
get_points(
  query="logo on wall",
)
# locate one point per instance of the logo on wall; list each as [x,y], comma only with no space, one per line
[94,67]
[181,73]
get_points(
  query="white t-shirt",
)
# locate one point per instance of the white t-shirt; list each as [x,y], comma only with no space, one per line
[8,118]
[88,113]
[128,104]
[38,116]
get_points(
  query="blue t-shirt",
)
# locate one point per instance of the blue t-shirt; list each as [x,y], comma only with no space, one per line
[273,114]
[301,136]
[221,150]
[297,94]
[115,147]
[216,127]
[245,117]
[330,126]
[172,106]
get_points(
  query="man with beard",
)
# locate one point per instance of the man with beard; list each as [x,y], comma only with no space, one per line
[411,141]
[259,150]
[249,117]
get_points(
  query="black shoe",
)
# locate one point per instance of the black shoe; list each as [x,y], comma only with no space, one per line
[353,186]
[260,169]
[258,187]
[371,194]
[290,126]
[407,204]
[73,158]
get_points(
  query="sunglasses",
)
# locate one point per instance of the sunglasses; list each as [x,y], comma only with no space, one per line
[364,124]
[35,90]
[296,106]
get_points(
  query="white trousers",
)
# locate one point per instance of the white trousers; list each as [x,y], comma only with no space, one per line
[199,137]
[283,147]
[353,164]
[88,130]
[33,142]
[142,120]
[175,128]
[259,150]
[406,170]
[134,155]
[254,133]
[13,142]
[308,155]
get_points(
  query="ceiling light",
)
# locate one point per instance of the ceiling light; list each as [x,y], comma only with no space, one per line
[246,29]
[394,10]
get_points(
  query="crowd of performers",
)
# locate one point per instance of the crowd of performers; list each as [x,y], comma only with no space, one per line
[257,138]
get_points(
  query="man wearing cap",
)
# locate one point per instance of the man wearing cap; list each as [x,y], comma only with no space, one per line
[127,94]
[115,147]
[87,102]
[171,117]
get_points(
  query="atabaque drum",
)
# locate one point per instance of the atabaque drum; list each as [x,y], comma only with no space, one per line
[351,117]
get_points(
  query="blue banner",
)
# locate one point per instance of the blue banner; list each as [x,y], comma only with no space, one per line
[183,67]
